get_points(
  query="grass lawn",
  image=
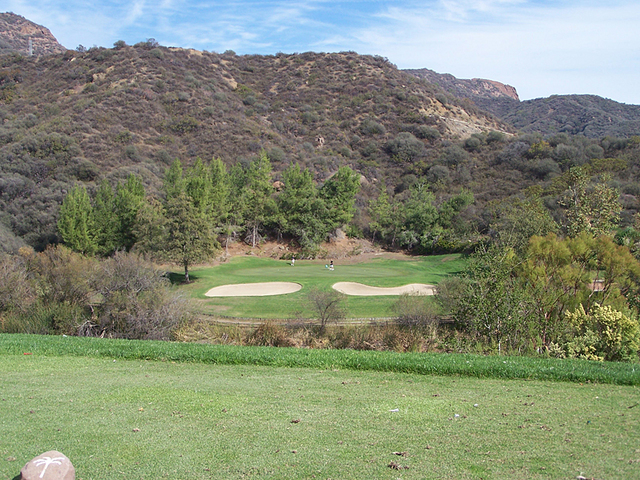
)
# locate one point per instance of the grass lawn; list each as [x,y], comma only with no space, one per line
[380,272]
[144,419]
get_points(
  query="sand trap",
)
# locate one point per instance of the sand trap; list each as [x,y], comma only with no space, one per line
[254,289]
[352,288]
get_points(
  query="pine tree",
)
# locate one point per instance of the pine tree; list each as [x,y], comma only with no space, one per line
[76,223]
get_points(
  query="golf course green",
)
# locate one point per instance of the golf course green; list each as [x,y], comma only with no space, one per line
[379,271]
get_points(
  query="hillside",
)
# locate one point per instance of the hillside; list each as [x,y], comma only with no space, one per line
[106,113]
[588,115]
[17,32]
[84,116]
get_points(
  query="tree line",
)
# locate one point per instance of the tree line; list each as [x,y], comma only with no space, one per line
[206,204]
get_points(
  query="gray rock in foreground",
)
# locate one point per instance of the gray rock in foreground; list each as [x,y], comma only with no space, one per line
[50,465]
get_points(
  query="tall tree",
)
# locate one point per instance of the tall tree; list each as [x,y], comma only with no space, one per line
[420,217]
[301,210]
[174,183]
[518,219]
[381,212]
[257,195]
[220,188]
[76,222]
[105,219]
[339,194]
[189,238]
[128,201]
[197,185]
[490,299]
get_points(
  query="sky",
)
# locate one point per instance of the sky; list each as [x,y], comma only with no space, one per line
[540,47]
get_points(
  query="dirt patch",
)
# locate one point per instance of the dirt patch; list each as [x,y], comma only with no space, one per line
[359,289]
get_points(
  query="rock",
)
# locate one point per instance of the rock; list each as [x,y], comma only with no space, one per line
[340,235]
[50,465]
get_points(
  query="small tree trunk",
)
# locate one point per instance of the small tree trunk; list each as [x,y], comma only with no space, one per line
[186,272]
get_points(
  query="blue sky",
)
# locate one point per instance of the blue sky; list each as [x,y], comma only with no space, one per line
[541,47]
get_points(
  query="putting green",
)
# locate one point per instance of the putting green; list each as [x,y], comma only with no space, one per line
[377,272]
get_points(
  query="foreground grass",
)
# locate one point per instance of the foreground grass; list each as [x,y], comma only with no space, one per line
[378,272]
[146,419]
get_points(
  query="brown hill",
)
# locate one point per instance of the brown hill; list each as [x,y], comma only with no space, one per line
[105,113]
[588,115]
[17,34]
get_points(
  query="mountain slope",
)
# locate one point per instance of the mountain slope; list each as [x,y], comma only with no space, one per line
[105,113]
[588,115]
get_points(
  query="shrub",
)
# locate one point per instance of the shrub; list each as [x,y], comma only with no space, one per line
[603,333]
[16,291]
[454,155]
[417,310]
[138,301]
[405,147]
[370,127]
[327,306]
[269,334]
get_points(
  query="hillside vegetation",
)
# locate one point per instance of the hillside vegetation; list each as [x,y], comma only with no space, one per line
[85,116]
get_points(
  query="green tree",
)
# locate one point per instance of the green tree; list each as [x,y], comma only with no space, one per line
[381,212]
[301,210]
[420,218]
[127,202]
[594,209]
[491,300]
[189,238]
[257,195]
[219,195]
[450,208]
[517,219]
[562,274]
[197,185]
[339,195]
[151,227]
[76,222]
[174,183]
[105,219]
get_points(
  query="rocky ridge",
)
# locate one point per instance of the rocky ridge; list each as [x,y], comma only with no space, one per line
[16,31]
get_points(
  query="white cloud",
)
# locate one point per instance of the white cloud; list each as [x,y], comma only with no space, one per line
[134,12]
[541,47]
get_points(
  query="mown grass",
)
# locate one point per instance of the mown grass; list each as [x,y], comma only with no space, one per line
[531,368]
[149,419]
[377,272]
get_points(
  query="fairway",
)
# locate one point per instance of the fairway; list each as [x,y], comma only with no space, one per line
[376,272]
[150,420]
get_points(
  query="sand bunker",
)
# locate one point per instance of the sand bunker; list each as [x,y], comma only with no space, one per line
[254,289]
[352,288]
